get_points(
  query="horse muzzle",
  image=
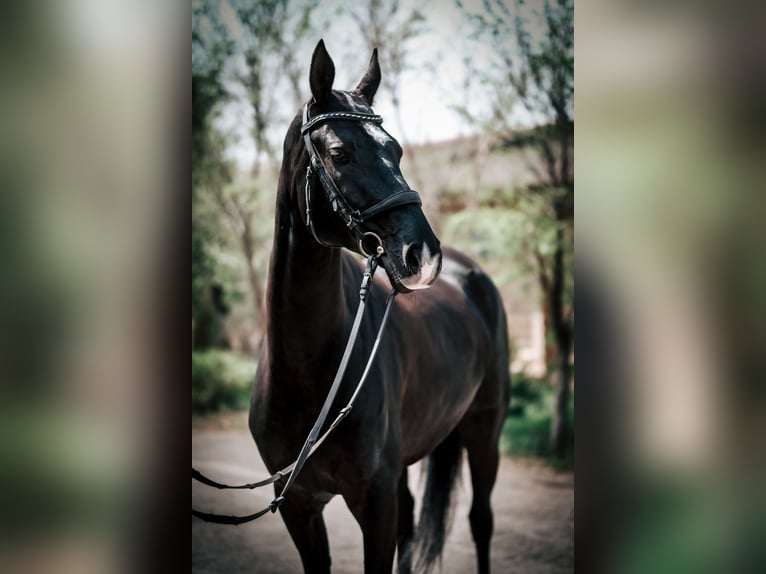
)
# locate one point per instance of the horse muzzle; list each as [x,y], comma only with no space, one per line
[415,267]
[423,266]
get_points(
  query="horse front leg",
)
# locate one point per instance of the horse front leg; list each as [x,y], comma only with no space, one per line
[406,525]
[303,517]
[376,512]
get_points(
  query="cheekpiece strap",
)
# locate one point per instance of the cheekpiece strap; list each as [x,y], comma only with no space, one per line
[351,217]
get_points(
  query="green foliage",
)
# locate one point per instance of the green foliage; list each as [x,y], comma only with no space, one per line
[390,27]
[203,276]
[243,54]
[211,49]
[526,391]
[220,381]
[527,428]
[270,35]
[483,233]
[517,235]
[534,54]
[212,44]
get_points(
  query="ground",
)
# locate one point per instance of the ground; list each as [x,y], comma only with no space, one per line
[533,505]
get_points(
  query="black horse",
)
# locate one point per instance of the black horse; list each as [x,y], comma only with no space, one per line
[440,382]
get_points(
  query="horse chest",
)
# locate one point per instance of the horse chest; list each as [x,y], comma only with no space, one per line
[282,417]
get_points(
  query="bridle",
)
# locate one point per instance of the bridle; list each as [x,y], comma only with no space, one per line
[372,246]
[354,219]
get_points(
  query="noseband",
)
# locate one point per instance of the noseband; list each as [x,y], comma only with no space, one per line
[353,218]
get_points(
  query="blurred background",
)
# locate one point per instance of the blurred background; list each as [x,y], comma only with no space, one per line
[94,103]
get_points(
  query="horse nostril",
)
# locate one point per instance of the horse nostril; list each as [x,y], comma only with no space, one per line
[412,258]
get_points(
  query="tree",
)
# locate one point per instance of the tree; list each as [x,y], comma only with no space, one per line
[270,34]
[243,51]
[263,62]
[384,25]
[211,47]
[537,71]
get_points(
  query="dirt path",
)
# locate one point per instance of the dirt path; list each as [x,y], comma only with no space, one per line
[534,518]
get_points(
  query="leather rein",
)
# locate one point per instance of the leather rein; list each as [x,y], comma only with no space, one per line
[354,220]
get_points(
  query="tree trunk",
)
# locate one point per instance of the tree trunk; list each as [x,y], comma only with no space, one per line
[559,434]
[256,287]
[562,333]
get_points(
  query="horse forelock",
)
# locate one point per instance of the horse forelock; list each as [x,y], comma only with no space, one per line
[353,102]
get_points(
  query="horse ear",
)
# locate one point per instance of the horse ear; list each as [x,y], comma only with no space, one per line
[371,80]
[322,73]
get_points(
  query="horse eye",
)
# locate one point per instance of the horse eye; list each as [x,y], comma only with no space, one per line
[339,156]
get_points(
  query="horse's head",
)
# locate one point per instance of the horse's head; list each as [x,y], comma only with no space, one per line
[355,194]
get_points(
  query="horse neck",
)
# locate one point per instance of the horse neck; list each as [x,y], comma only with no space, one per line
[306,306]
